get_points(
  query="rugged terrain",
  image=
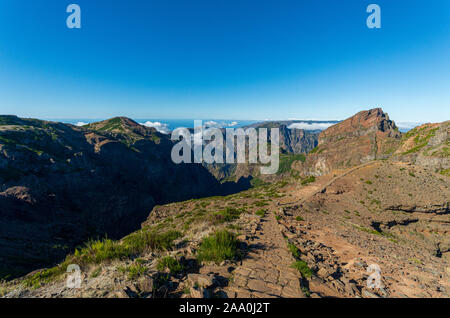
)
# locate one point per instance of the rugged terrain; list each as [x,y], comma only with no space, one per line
[366,197]
[62,185]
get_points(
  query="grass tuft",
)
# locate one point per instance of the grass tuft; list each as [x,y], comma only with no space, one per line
[261,213]
[217,247]
[303,268]
[171,263]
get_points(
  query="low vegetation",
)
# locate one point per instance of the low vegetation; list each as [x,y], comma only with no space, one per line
[226,215]
[299,264]
[98,251]
[220,246]
[421,139]
[133,271]
[307,180]
[261,213]
[294,250]
[170,263]
[303,268]
[286,161]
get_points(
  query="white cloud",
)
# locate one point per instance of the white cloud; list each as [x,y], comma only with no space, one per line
[211,123]
[407,125]
[80,123]
[310,126]
[198,138]
[160,127]
[232,124]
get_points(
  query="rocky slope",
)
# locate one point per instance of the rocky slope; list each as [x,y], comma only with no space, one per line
[427,145]
[315,239]
[62,184]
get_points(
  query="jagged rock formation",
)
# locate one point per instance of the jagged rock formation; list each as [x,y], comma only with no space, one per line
[61,185]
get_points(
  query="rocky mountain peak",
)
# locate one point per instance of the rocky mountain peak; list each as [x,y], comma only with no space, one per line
[363,123]
[366,136]
[122,126]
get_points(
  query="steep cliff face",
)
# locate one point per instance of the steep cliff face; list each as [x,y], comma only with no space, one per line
[61,184]
[297,141]
[292,142]
[366,136]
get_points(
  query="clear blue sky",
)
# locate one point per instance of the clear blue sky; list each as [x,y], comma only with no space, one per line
[225,59]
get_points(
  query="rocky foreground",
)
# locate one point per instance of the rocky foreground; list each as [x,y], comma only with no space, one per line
[366,198]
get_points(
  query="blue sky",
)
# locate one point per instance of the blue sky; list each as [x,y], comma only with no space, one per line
[225,59]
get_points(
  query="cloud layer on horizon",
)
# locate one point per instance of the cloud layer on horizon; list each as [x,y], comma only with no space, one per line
[310,126]
[407,125]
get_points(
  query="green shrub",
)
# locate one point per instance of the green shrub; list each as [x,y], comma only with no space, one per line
[299,218]
[445,172]
[226,215]
[98,251]
[261,213]
[171,263]
[96,272]
[303,268]
[146,239]
[136,270]
[43,277]
[3,290]
[294,250]
[217,247]
[256,182]
[307,180]
[260,203]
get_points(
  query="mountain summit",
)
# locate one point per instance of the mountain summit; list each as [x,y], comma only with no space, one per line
[366,136]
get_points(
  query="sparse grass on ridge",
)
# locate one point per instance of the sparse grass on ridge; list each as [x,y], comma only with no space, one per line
[98,251]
